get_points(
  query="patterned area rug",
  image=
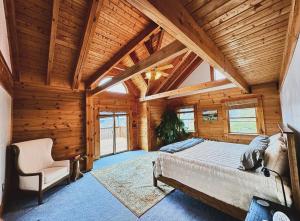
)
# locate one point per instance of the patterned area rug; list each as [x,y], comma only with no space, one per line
[131,183]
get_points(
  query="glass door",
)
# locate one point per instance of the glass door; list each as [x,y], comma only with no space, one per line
[113,132]
[106,123]
[121,132]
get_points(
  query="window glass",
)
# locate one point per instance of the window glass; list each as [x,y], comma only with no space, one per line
[187,115]
[243,121]
[118,88]
[218,75]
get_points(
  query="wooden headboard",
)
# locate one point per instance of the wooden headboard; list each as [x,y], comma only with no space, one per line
[293,164]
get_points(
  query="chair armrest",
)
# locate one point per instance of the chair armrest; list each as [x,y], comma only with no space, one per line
[30,174]
[61,163]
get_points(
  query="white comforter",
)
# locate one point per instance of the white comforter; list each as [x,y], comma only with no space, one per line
[211,168]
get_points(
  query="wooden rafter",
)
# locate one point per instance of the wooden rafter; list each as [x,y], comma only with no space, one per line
[10,15]
[157,58]
[177,21]
[185,90]
[86,40]
[151,49]
[135,59]
[132,88]
[149,46]
[160,38]
[54,23]
[188,70]
[180,71]
[178,63]
[291,39]
[121,54]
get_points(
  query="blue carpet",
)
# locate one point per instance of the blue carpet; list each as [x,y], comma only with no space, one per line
[87,200]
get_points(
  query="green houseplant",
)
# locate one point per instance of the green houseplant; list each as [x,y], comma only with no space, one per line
[171,128]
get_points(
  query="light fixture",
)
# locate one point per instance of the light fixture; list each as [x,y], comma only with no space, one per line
[148,75]
[158,74]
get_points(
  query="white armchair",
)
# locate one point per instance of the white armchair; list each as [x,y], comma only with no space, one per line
[36,168]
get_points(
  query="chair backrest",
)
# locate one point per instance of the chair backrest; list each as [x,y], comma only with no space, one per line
[34,155]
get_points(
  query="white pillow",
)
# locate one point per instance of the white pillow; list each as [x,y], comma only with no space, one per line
[276,155]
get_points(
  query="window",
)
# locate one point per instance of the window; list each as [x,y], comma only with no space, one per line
[118,88]
[218,75]
[243,121]
[187,115]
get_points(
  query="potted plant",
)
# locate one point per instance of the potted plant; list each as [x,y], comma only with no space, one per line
[171,129]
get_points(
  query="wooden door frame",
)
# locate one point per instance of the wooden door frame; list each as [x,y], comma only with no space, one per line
[97,129]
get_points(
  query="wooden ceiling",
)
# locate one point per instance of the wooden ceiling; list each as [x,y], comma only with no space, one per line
[250,33]
[73,43]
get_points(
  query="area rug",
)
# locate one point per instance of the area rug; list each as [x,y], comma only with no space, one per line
[131,182]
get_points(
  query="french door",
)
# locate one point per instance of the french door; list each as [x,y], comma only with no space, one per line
[113,132]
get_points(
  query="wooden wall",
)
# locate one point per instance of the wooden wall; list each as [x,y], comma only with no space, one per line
[149,118]
[40,111]
[212,100]
[6,96]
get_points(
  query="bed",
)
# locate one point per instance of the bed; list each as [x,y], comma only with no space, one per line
[208,171]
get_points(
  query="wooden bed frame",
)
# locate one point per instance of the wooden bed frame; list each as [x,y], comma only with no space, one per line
[235,211]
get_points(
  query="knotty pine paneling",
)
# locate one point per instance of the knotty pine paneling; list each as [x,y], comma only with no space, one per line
[251,34]
[40,111]
[212,100]
[149,118]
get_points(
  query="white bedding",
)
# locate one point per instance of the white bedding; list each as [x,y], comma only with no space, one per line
[211,168]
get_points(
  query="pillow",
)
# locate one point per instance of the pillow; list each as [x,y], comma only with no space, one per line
[260,142]
[182,145]
[276,155]
[252,158]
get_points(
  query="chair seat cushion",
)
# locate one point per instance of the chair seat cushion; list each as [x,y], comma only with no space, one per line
[53,174]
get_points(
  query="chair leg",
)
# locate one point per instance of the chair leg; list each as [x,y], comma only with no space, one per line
[69,180]
[154,178]
[40,197]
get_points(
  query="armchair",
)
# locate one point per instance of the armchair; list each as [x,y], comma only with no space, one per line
[36,168]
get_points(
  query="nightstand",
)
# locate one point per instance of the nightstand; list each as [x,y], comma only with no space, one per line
[258,212]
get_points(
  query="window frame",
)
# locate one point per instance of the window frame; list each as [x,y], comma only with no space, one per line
[195,117]
[256,121]
[213,75]
[260,124]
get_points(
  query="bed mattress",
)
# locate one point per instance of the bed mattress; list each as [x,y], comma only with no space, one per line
[211,168]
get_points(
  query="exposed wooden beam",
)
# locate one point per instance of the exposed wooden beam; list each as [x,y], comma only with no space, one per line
[180,72]
[178,63]
[157,58]
[132,88]
[291,40]
[135,59]
[124,51]
[149,46]
[172,16]
[86,40]
[212,75]
[188,70]
[133,56]
[185,90]
[151,49]
[160,38]
[10,15]
[54,23]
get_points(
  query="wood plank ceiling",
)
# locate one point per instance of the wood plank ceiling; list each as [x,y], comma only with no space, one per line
[250,33]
